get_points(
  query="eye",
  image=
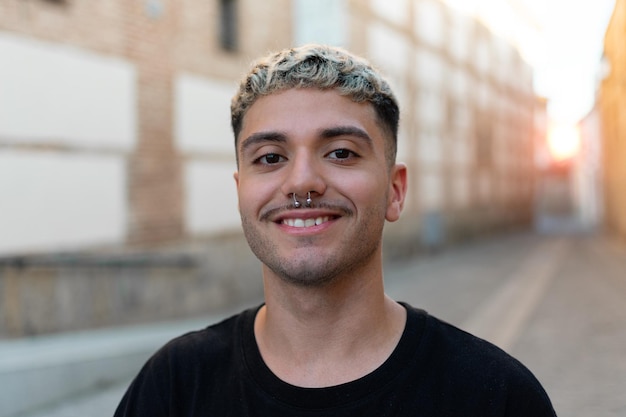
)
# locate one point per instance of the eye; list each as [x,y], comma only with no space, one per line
[341,154]
[270,159]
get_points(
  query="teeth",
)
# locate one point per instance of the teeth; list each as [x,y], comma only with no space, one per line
[305,222]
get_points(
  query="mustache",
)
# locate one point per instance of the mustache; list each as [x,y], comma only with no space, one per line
[341,209]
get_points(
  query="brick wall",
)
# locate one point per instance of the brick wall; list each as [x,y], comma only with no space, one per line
[161,38]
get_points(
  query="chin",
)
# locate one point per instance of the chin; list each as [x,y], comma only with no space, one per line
[306,274]
[308,279]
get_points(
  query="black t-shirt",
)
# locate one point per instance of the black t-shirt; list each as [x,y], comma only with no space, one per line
[436,370]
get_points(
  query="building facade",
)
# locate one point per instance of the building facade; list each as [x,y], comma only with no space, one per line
[588,183]
[114,126]
[612,109]
[115,136]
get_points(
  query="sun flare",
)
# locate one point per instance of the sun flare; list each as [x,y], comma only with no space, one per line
[563,141]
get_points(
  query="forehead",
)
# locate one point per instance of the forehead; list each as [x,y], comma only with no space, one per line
[303,112]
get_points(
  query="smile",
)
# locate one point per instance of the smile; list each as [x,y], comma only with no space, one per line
[306,222]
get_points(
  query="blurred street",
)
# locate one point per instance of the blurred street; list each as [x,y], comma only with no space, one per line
[556,303]
[120,224]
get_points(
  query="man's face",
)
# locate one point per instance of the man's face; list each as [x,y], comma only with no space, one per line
[307,140]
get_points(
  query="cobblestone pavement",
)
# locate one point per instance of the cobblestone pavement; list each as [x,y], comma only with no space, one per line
[568,321]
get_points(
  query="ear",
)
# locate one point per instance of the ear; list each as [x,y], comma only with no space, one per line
[397,191]
[236,178]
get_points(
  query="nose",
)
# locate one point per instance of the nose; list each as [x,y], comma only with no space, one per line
[305,175]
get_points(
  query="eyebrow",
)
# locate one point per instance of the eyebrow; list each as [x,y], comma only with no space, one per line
[333,132]
[328,133]
[260,137]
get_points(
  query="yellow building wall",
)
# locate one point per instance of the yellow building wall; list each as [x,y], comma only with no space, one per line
[612,100]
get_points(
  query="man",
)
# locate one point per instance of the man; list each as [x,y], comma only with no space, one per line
[315,133]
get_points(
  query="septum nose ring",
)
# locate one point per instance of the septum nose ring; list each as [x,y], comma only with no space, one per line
[297,203]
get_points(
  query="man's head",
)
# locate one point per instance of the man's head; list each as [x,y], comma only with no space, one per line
[316,122]
[324,68]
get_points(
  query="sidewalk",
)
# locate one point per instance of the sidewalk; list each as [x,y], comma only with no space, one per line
[40,371]
[99,403]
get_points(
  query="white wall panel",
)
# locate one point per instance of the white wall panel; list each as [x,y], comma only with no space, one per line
[430,22]
[202,114]
[211,204]
[460,36]
[484,95]
[52,201]
[432,108]
[52,93]
[430,68]
[458,83]
[395,10]
[388,50]
[482,56]
[430,149]
[321,21]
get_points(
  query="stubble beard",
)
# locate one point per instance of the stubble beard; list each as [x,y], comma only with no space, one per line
[312,271]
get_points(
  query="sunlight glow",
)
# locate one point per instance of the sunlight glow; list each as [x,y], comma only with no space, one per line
[549,35]
[563,141]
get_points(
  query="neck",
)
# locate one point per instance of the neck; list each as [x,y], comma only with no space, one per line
[328,335]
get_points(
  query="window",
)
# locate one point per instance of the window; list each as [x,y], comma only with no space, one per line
[228,25]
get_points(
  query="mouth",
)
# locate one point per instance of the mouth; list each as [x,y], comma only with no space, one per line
[306,222]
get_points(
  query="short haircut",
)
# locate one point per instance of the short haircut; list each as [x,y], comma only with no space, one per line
[325,68]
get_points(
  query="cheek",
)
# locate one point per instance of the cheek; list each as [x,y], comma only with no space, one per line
[245,200]
[364,185]
[243,196]
[368,197]
[254,194]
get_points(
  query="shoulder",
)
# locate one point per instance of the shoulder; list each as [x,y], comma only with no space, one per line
[168,382]
[209,343]
[457,361]
[460,348]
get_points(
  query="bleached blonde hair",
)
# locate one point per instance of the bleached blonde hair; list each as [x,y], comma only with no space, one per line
[322,67]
